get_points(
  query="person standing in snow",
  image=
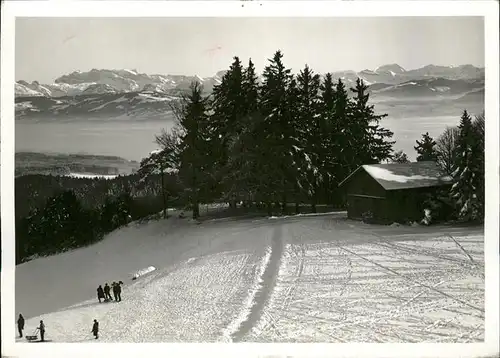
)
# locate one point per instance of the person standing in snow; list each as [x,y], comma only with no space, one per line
[100,293]
[115,290]
[119,291]
[95,329]
[20,325]
[42,331]
[107,295]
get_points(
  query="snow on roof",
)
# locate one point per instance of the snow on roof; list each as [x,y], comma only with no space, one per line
[397,176]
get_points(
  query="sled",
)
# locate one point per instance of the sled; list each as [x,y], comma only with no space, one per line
[33,337]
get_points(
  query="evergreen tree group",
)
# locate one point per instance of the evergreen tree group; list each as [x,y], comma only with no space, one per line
[58,213]
[460,152]
[283,139]
[468,169]
[286,139]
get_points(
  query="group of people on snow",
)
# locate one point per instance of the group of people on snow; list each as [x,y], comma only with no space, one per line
[41,328]
[102,294]
[105,293]
[20,327]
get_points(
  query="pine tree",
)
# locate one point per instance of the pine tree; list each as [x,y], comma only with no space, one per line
[467,173]
[195,148]
[479,132]
[276,130]
[331,165]
[250,88]
[426,149]
[309,130]
[371,141]
[228,102]
[228,108]
[299,171]
[341,136]
[328,94]
[240,179]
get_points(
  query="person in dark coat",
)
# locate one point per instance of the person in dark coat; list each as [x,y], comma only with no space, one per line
[20,325]
[42,331]
[95,329]
[115,290]
[119,291]
[100,293]
[107,295]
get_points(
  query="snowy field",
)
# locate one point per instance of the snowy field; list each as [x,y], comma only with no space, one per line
[298,279]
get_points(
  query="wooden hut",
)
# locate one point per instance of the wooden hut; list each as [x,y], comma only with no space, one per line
[391,192]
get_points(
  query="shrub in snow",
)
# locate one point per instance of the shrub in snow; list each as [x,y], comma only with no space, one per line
[194,221]
[427,217]
[367,217]
[440,205]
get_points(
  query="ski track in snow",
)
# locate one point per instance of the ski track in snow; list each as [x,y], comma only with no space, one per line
[350,289]
[266,281]
[314,279]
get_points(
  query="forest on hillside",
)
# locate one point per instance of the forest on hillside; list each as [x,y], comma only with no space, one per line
[290,139]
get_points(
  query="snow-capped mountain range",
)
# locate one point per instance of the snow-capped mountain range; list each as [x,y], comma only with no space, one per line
[128,92]
[112,81]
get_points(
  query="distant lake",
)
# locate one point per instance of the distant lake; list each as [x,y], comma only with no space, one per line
[134,140]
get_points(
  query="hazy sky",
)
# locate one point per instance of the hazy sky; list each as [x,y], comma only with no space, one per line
[47,48]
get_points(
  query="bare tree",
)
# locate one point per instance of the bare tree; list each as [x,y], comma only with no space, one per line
[159,162]
[165,160]
[479,125]
[446,148]
[170,140]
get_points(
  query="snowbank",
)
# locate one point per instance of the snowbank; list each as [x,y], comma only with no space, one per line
[306,215]
[92,176]
[143,272]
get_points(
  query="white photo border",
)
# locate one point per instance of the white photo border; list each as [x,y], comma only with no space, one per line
[487,9]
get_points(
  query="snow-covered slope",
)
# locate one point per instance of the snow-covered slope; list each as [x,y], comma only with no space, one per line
[99,101]
[22,89]
[99,88]
[393,69]
[300,279]
[430,87]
